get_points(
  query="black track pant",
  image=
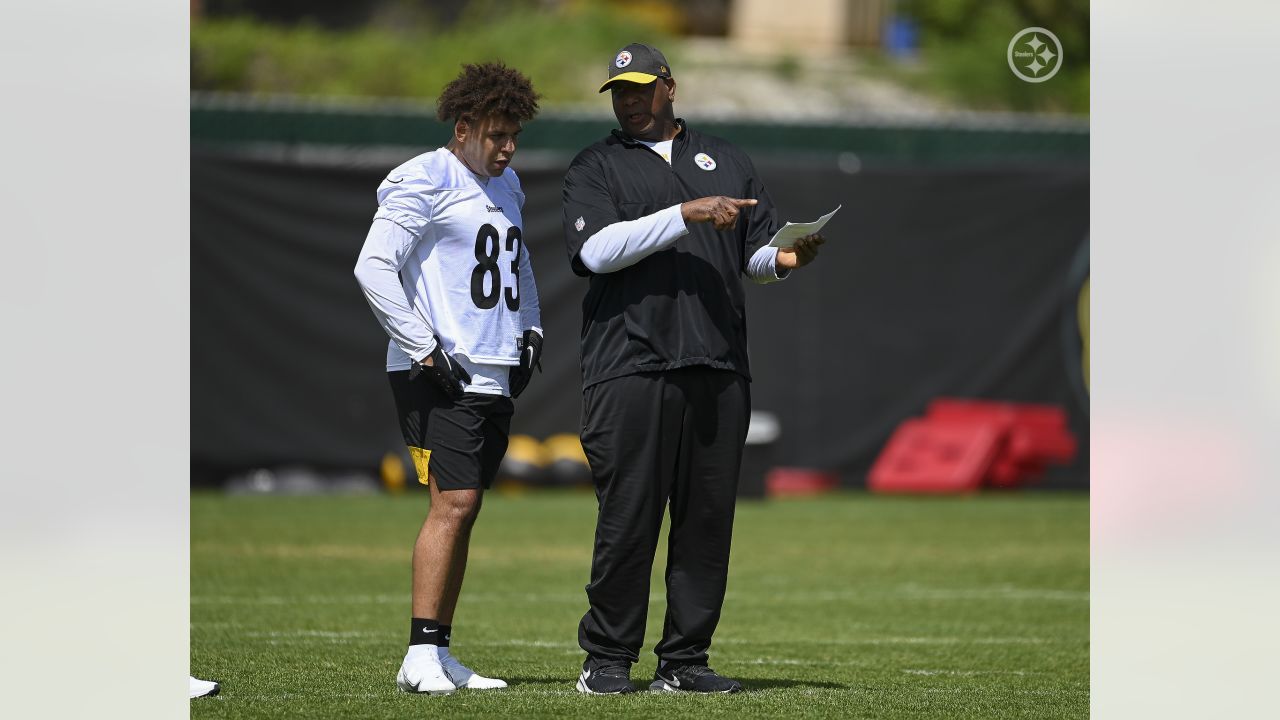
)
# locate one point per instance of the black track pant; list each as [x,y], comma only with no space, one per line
[656,438]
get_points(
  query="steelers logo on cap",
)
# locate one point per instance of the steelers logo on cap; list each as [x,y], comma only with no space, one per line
[623,59]
[705,161]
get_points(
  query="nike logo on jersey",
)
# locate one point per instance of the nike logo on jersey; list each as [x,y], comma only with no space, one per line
[491,208]
[395,182]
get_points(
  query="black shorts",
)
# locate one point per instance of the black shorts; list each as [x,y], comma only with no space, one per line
[463,441]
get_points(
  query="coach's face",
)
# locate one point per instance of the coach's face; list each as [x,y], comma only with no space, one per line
[644,111]
[487,145]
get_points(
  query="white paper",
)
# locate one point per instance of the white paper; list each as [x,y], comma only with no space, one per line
[791,232]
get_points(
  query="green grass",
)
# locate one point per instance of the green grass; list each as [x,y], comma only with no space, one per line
[564,52]
[844,606]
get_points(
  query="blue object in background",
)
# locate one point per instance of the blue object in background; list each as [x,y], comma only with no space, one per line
[901,38]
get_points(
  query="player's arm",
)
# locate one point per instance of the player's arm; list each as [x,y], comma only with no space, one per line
[625,243]
[386,248]
[530,310]
[770,264]
[597,238]
[766,264]
[762,222]
[404,211]
[763,268]
[599,241]
[377,270]
[530,321]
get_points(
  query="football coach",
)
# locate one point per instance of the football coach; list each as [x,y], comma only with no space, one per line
[664,221]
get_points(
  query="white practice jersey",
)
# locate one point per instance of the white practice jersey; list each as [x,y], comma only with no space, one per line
[453,240]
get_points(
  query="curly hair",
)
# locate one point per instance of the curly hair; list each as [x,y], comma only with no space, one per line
[485,90]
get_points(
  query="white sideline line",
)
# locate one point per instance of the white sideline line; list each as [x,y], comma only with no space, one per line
[388,599]
[530,643]
[999,592]
[227,696]
[969,689]
[855,663]
[913,592]
[300,600]
[571,646]
[910,592]
[382,636]
[568,691]
[316,633]
[805,663]
[898,641]
[967,673]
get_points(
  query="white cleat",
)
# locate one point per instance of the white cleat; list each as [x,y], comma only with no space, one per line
[424,674]
[203,688]
[465,677]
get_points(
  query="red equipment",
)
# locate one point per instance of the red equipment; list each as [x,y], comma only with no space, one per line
[962,445]
[794,482]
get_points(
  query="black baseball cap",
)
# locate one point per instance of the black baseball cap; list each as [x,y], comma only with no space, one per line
[637,63]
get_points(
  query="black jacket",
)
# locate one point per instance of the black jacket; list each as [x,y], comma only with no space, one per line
[681,306]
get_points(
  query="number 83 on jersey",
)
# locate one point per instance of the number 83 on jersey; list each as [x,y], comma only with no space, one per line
[497,273]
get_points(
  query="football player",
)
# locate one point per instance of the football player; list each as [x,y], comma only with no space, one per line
[447,274]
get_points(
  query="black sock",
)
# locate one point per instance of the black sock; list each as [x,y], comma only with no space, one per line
[444,635]
[423,631]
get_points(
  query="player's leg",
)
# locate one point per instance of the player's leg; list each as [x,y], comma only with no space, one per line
[457,570]
[702,510]
[418,404]
[495,412]
[489,419]
[439,555]
[631,453]
[447,527]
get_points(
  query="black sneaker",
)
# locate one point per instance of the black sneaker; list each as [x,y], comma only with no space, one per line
[605,677]
[675,677]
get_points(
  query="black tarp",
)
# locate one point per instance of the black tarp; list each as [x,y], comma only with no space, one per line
[933,282]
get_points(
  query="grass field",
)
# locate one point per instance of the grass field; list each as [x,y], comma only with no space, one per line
[845,606]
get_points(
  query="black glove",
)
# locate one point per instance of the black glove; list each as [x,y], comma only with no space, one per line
[444,372]
[530,357]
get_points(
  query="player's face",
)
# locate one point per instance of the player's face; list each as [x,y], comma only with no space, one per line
[644,111]
[487,145]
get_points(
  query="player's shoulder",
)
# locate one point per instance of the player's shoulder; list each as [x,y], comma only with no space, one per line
[430,172]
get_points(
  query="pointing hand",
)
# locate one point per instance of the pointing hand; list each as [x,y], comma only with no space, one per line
[718,210]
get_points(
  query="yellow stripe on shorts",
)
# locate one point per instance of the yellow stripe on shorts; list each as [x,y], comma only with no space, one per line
[421,459]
